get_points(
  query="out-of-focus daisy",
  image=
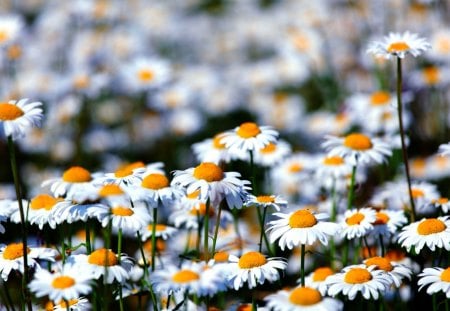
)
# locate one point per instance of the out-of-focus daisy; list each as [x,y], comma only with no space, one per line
[397,272]
[265,201]
[126,174]
[441,203]
[300,227]
[17,117]
[399,44]
[423,193]
[212,150]
[11,257]
[431,76]
[248,137]
[76,304]
[10,27]
[70,212]
[332,166]
[64,285]
[214,184]
[440,41]
[192,278]
[272,153]
[316,279]
[189,217]
[161,231]
[146,73]
[387,222]
[444,149]
[432,232]
[302,298]
[253,268]
[438,279]
[103,262]
[357,222]
[359,278]
[357,148]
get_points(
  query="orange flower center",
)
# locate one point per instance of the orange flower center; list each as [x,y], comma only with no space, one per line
[3,35]
[63,304]
[43,201]
[246,307]
[265,198]
[431,75]
[158,227]
[252,260]
[381,219]
[109,190]
[208,171]
[380,98]
[357,141]
[185,276]
[193,195]
[201,210]
[398,47]
[295,168]
[248,130]
[77,174]
[122,211]
[14,251]
[103,257]
[305,296]
[335,160]
[441,201]
[357,276]
[9,112]
[395,255]
[127,169]
[445,275]
[155,181]
[302,219]
[381,262]
[221,257]
[355,219]
[417,193]
[81,82]
[217,142]
[270,148]
[14,51]
[430,226]
[62,282]
[146,75]
[320,274]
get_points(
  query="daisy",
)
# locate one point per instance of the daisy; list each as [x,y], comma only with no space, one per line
[441,203]
[444,149]
[302,298]
[67,211]
[357,223]
[253,268]
[65,285]
[145,73]
[162,231]
[10,27]
[248,137]
[388,222]
[212,150]
[214,184]
[432,232]
[399,44]
[316,279]
[265,201]
[357,148]
[189,217]
[358,278]
[76,304]
[17,117]
[126,174]
[272,153]
[397,272]
[300,227]
[438,279]
[423,193]
[11,257]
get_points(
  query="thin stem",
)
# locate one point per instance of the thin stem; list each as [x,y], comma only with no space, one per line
[263,233]
[23,221]
[402,136]
[155,220]
[206,232]
[119,244]
[381,245]
[434,302]
[216,231]
[252,172]
[351,191]
[236,228]
[254,306]
[88,238]
[199,234]
[8,297]
[120,297]
[67,305]
[302,264]
[188,241]
[369,251]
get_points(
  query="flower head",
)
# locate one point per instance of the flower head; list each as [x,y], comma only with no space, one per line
[399,44]
[17,117]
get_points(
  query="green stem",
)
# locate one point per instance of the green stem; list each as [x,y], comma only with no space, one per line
[199,234]
[67,305]
[119,244]
[345,256]
[263,233]
[382,245]
[302,264]
[236,228]
[357,250]
[216,231]
[188,241]
[206,232]
[120,297]
[253,174]
[155,221]
[402,136]
[23,222]
[351,191]
[369,251]
[254,306]
[434,302]
[88,238]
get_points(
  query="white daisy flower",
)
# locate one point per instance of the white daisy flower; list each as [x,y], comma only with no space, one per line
[64,285]
[388,222]
[332,166]
[265,201]
[399,44]
[358,278]
[17,117]
[397,272]
[146,73]
[272,153]
[432,232]
[189,217]
[212,150]
[129,219]
[67,211]
[300,227]
[76,304]
[10,27]
[126,174]
[214,184]
[444,149]
[438,279]
[302,299]
[357,148]
[316,279]
[441,203]
[423,193]
[357,223]
[162,231]
[248,137]
[253,268]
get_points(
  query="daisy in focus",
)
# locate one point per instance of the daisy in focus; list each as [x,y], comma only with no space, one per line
[17,117]
[399,44]
[397,272]
[265,201]
[316,279]
[357,223]
[437,279]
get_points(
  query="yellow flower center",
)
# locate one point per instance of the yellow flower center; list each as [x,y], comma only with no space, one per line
[355,219]
[332,161]
[62,282]
[357,276]
[431,75]
[381,262]
[302,219]
[77,174]
[146,75]
[122,211]
[4,36]
[185,276]
[160,245]
[9,112]
[246,307]
[395,255]
[14,251]
[63,304]
[252,260]
[109,190]
[320,274]
[357,141]
[43,201]
[430,226]
[208,171]
[417,193]
[193,195]
[270,148]
[265,198]
[155,181]
[381,219]
[305,296]
[217,142]
[201,210]
[14,51]
[445,275]
[441,201]
[127,170]
[103,257]
[158,227]
[295,168]
[81,82]
[248,130]
[221,257]
[380,98]
[399,46]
